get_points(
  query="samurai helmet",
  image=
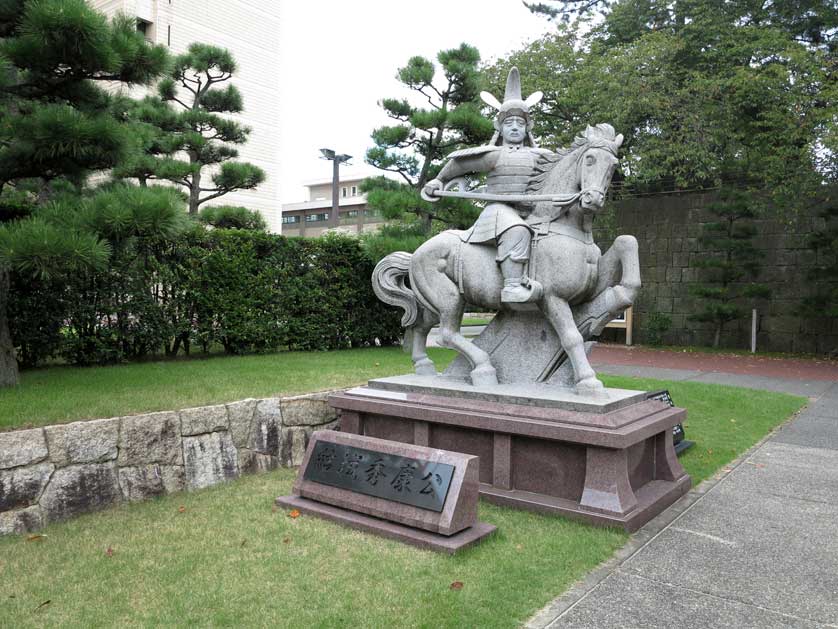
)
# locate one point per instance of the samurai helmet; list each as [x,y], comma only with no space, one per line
[513,105]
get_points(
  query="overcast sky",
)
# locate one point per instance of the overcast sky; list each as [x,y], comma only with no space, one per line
[339,58]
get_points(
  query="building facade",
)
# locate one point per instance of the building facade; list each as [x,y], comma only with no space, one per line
[311,217]
[249,29]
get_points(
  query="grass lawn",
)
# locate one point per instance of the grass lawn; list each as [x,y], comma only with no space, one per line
[224,556]
[477,320]
[62,394]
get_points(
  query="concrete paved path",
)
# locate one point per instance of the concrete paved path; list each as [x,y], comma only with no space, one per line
[757,548]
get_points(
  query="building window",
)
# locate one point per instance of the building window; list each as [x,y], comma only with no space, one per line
[317,218]
[147,29]
[169,33]
[343,192]
[287,220]
[354,191]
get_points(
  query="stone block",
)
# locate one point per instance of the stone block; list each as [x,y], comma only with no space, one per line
[307,410]
[673,275]
[294,443]
[209,459]
[22,486]
[681,259]
[147,481]
[151,438]
[203,419]
[265,434]
[83,442]
[22,447]
[77,489]
[21,521]
[240,416]
[251,462]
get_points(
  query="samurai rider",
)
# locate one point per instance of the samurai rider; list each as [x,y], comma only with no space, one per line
[509,161]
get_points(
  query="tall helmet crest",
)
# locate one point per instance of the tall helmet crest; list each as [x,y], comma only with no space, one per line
[513,104]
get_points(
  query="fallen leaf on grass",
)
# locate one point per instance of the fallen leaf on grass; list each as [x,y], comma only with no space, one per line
[519,547]
[244,543]
[109,552]
[35,538]
[286,540]
[457,585]
[378,364]
[294,513]
[181,509]
[44,604]
[274,509]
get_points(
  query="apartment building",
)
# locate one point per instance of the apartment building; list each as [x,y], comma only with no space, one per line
[250,30]
[311,217]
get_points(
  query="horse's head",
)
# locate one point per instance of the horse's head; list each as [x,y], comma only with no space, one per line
[596,161]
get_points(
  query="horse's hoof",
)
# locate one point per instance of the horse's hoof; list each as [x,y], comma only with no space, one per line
[590,387]
[424,367]
[484,377]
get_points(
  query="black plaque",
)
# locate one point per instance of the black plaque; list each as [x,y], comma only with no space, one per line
[679,439]
[410,481]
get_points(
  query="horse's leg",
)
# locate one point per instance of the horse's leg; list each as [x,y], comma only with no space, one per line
[619,273]
[422,364]
[482,374]
[560,316]
[432,277]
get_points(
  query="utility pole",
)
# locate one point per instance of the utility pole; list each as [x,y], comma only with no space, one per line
[334,217]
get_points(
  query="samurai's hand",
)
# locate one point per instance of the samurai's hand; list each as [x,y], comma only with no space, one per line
[431,188]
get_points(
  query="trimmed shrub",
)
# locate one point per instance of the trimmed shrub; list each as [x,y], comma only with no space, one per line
[245,291]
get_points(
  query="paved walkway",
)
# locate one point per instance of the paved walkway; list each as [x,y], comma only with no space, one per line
[757,547]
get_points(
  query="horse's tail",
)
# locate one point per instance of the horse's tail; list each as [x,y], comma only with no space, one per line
[388,282]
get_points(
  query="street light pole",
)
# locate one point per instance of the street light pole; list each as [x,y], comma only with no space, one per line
[334,218]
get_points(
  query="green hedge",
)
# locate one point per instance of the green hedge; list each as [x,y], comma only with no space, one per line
[243,291]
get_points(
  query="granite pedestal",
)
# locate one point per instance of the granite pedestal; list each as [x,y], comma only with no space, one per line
[609,461]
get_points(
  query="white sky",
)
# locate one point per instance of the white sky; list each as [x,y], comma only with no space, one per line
[338,59]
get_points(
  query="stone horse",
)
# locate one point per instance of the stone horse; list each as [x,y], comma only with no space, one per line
[434,284]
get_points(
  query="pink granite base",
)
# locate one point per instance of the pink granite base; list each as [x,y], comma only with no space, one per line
[416,537]
[609,467]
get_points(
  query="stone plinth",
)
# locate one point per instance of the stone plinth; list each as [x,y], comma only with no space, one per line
[422,496]
[609,462]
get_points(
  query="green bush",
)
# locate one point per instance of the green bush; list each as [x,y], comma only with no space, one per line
[655,326]
[245,291]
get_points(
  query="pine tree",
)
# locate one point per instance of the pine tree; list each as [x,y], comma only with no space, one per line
[200,129]
[422,137]
[731,262]
[56,127]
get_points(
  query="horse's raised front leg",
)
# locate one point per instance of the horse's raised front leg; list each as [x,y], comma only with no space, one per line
[422,364]
[619,273]
[560,316]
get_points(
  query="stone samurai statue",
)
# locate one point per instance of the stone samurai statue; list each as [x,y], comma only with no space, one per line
[509,161]
[530,256]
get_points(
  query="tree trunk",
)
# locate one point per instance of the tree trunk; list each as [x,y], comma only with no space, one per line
[195,192]
[8,362]
[718,336]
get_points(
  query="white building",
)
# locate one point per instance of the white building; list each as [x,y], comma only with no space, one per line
[250,30]
[311,217]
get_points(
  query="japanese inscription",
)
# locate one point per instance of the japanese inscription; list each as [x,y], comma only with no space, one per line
[410,481]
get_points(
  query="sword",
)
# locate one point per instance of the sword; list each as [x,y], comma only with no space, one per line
[556,199]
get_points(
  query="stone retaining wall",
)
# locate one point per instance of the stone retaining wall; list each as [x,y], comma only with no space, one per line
[53,473]
[668,227]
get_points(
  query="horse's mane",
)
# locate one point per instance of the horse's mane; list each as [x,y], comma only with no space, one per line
[602,134]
